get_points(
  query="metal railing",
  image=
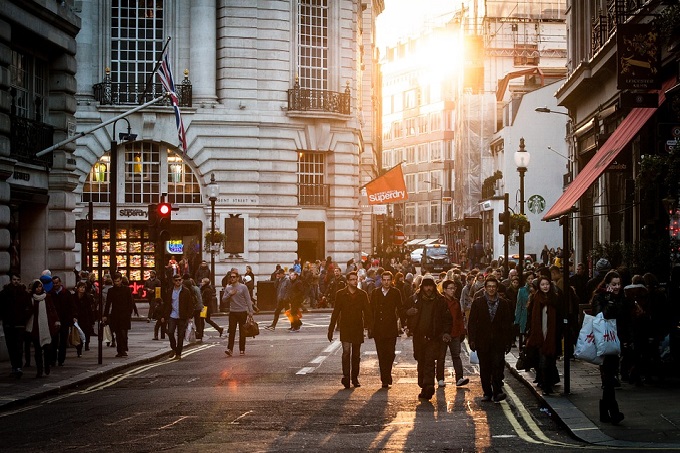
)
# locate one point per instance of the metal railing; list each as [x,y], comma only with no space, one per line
[313,195]
[605,22]
[28,137]
[118,93]
[303,99]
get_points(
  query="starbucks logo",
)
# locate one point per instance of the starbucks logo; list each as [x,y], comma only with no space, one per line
[536,204]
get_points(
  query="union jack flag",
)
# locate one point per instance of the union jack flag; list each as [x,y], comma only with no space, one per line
[165,74]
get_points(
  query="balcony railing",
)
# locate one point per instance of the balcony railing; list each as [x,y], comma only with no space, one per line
[313,195]
[306,100]
[118,93]
[604,23]
[28,137]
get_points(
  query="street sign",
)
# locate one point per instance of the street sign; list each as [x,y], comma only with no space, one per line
[399,238]
[446,200]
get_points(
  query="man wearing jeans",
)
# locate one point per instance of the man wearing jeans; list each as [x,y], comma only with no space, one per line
[457,337]
[240,306]
[178,308]
[352,312]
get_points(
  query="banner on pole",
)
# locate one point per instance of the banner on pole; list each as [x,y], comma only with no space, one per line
[388,188]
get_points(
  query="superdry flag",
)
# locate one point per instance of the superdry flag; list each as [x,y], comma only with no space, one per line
[165,74]
[389,188]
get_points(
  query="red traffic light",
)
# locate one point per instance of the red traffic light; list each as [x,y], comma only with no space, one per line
[164,210]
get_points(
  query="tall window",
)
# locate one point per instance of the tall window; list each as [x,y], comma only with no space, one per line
[312,190]
[136,39]
[27,86]
[313,44]
[142,172]
[436,151]
[410,214]
[96,188]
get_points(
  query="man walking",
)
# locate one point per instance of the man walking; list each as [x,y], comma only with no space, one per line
[240,306]
[150,285]
[282,288]
[15,310]
[490,334]
[457,337]
[431,321]
[178,308]
[386,309]
[68,313]
[118,313]
[352,313]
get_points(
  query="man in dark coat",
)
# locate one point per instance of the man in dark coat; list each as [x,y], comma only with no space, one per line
[15,310]
[431,322]
[150,286]
[68,313]
[178,309]
[352,313]
[490,334]
[386,308]
[118,313]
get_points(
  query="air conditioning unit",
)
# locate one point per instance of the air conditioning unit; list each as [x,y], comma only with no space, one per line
[485,206]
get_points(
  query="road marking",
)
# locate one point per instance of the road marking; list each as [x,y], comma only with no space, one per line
[305,370]
[332,347]
[235,421]
[184,417]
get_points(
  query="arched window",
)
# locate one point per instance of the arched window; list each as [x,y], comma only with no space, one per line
[149,169]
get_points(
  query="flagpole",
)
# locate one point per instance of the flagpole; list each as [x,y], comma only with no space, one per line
[98,126]
[155,68]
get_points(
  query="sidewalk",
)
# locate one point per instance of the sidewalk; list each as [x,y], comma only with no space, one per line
[652,411]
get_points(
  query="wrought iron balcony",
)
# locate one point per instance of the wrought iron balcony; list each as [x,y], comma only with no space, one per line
[28,137]
[605,22]
[119,93]
[313,195]
[306,100]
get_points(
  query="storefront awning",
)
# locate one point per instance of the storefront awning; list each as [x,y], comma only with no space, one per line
[624,133]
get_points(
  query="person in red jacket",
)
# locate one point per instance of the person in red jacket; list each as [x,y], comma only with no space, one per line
[457,337]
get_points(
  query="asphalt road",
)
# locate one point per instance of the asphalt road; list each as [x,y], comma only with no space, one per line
[283,395]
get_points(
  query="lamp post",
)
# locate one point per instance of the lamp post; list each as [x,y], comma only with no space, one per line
[441,204]
[213,191]
[522,162]
[113,189]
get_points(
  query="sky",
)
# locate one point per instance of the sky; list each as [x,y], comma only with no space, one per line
[403,18]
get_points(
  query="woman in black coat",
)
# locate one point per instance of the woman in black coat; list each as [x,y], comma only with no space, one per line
[83,301]
[609,300]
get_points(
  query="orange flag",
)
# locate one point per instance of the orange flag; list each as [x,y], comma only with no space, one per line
[389,188]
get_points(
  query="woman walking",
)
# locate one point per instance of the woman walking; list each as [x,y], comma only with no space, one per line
[83,301]
[41,326]
[544,332]
[609,300]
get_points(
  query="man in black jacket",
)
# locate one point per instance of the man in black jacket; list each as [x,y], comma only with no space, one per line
[68,313]
[178,309]
[431,325]
[118,313]
[490,334]
[15,310]
[386,307]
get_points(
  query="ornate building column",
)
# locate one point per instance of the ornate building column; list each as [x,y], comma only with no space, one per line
[6,164]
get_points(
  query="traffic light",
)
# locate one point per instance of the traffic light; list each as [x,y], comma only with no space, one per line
[164,216]
[504,223]
[152,219]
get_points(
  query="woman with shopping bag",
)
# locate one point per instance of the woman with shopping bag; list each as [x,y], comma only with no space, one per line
[609,300]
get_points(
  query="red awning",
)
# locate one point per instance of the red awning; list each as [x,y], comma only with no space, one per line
[623,134]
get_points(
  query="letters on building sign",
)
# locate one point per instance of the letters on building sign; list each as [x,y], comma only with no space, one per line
[174,247]
[638,56]
[133,213]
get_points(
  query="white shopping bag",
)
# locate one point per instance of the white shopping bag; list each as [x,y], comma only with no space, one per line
[606,336]
[474,358]
[586,349]
[190,333]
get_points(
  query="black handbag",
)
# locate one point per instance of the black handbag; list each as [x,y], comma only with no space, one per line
[251,328]
[528,359]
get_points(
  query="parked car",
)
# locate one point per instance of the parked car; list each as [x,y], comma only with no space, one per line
[435,258]
[416,255]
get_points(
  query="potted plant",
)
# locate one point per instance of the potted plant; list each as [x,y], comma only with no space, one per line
[213,239]
[520,222]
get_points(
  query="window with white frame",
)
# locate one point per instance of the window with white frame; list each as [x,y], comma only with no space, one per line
[423,211]
[436,121]
[436,151]
[435,179]
[410,124]
[96,188]
[423,153]
[397,130]
[398,156]
[422,185]
[27,86]
[410,214]
[434,213]
[410,154]
[410,180]
[423,124]
[312,187]
[387,159]
[137,39]
[312,17]
[410,99]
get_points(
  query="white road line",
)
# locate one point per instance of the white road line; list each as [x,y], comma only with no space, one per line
[332,347]
[318,360]
[305,370]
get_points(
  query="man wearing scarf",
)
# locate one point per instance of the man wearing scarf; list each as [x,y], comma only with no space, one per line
[490,334]
[432,322]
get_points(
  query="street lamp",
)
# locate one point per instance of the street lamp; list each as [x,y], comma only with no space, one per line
[547,110]
[213,192]
[441,204]
[113,189]
[522,158]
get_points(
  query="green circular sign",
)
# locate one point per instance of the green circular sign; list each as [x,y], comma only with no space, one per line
[536,204]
